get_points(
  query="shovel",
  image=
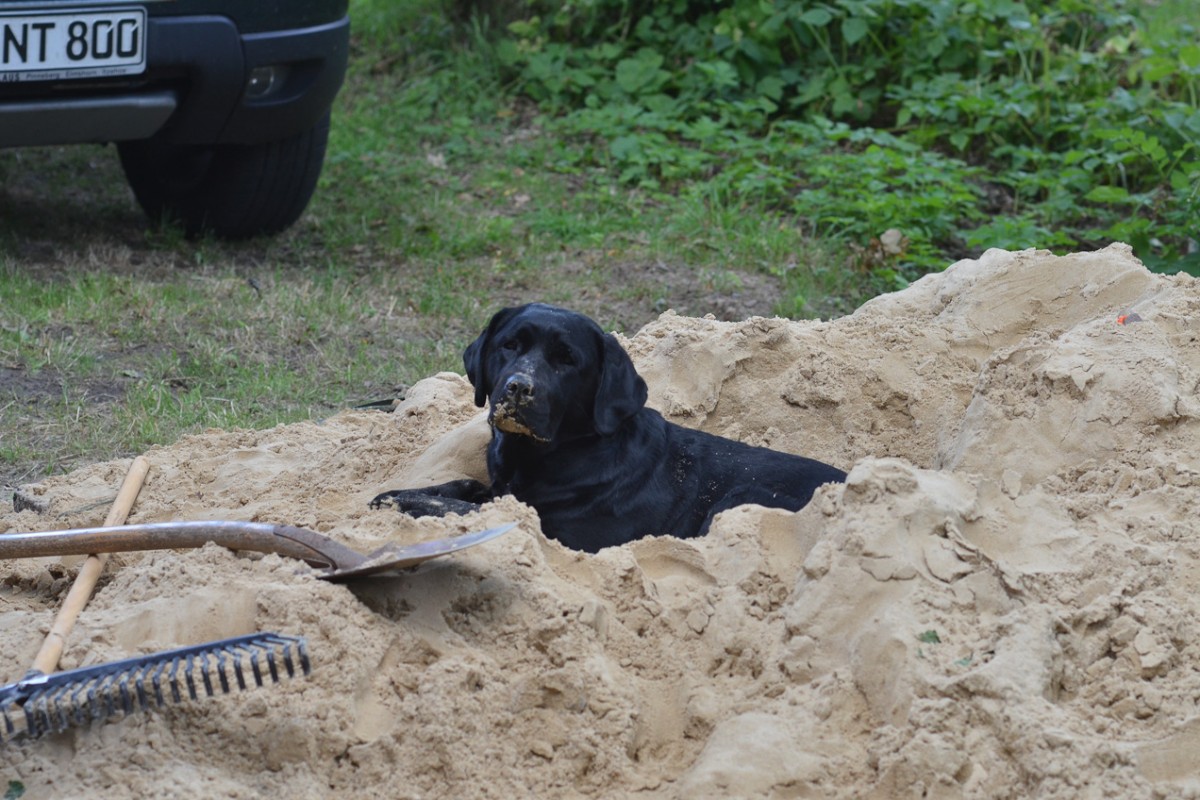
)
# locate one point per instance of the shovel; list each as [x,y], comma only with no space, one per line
[337,561]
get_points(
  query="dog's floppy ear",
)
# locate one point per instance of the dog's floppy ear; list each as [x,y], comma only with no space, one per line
[621,393]
[475,356]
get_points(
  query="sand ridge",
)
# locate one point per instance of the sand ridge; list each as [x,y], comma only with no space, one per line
[999,602]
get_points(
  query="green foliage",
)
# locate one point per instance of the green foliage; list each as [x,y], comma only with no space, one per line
[442,199]
[964,124]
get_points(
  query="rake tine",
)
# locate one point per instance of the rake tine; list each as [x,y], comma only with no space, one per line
[174,679]
[59,714]
[137,691]
[292,655]
[305,665]
[221,671]
[78,707]
[123,691]
[156,682]
[60,719]
[25,711]
[130,680]
[78,703]
[31,717]
[287,661]
[29,711]
[236,658]
[271,665]
[41,712]
[104,709]
[61,710]
[187,673]
[36,716]
[47,712]
[207,678]
[93,701]
[139,681]
[254,666]
[108,706]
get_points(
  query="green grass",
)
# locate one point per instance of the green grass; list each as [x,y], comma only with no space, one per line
[443,198]
[111,363]
[448,192]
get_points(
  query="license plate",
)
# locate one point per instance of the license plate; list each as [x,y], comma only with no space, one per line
[96,43]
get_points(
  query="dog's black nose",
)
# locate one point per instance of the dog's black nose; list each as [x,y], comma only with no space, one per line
[519,387]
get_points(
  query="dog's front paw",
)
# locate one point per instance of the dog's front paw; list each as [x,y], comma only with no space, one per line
[407,501]
[387,499]
[417,503]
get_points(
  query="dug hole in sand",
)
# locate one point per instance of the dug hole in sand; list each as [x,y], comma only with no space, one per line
[1001,601]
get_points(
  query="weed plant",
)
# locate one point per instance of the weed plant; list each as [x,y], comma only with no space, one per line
[962,124]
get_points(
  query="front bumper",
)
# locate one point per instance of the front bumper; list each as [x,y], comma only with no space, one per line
[193,90]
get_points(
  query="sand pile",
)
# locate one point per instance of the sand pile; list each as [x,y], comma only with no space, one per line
[1001,601]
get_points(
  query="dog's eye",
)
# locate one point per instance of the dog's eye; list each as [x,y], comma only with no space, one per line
[564,356]
[510,345]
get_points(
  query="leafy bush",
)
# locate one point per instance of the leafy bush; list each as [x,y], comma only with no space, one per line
[964,124]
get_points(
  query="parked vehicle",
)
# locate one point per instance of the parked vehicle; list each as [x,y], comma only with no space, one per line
[219,108]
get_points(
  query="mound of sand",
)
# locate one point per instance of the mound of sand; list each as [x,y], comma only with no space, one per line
[1000,602]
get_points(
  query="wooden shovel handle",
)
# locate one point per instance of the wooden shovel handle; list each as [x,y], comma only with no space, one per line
[263,537]
[46,660]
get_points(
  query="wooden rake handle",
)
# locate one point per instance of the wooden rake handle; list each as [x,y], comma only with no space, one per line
[47,658]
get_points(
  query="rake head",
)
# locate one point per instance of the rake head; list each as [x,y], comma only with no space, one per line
[42,704]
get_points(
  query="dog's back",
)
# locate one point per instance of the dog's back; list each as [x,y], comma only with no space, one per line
[650,478]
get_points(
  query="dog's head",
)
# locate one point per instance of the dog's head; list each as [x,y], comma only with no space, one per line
[552,374]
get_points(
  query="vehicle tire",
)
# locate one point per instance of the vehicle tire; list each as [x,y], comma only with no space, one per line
[232,191]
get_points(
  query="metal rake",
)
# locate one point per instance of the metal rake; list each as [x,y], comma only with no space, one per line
[41,704]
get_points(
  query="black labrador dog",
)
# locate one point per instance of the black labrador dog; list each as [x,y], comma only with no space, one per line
[572,437]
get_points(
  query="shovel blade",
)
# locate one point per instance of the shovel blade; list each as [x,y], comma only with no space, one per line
[394,556]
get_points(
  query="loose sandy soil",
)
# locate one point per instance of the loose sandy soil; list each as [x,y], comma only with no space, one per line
[1000,602]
